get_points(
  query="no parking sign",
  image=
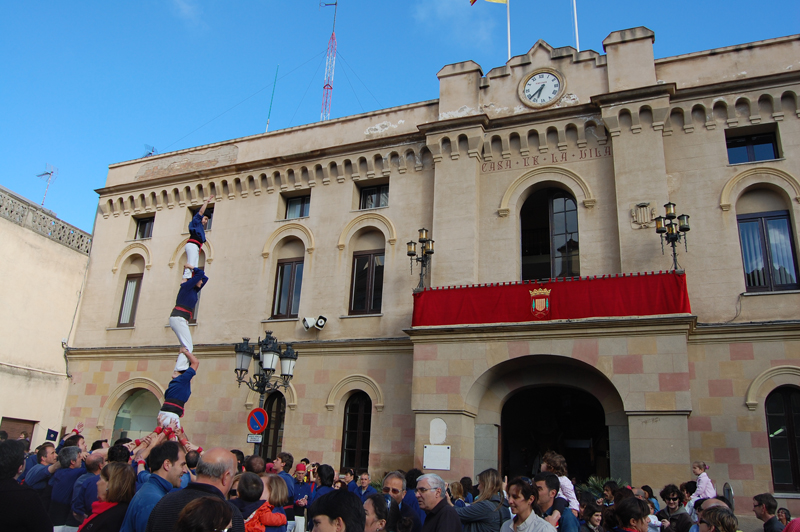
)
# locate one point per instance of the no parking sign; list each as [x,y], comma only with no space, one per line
[257,420]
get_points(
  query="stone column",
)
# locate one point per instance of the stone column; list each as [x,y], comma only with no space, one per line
[460,437]
[659,448]
[456,183]
[633,112]
[456,200]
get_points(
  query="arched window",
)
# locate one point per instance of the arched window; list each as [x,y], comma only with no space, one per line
[549,228]
[366,284]
[355,432]
[273,435]
[288,279]
[783,431]
[133,268]
[765,235]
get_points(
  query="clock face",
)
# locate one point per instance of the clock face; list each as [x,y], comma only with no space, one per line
[541,88]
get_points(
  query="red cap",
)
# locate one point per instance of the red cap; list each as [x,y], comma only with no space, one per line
[301,468]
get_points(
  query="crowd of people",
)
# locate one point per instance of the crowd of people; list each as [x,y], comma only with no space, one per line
[163,483]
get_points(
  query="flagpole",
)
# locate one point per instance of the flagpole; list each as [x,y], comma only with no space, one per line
[508,23]
[575,13]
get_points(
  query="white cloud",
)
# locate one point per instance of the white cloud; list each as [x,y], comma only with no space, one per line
[188,10]
[457,21]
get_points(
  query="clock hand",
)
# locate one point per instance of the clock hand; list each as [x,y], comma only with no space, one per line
[537,93]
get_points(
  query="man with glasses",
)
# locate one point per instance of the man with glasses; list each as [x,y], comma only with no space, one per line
[440,516]
[673,517]
[394,485]
[764,506]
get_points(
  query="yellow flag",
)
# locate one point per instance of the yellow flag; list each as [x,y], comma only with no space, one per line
[498,1]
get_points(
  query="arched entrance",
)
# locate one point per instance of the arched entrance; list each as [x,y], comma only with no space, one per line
[272,444]
[538,402]
[137,417]
[563,419]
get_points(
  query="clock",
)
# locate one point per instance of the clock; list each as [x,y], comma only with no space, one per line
[541,88]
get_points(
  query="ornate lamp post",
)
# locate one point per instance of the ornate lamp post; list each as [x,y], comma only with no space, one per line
[268,359]
[424,259]
[672,232]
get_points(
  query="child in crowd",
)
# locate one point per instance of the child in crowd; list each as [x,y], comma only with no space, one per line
[457,494]
[653,524]
[705,488]
[261,499]
[555,463]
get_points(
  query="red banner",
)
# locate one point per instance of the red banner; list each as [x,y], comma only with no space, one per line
[637,294]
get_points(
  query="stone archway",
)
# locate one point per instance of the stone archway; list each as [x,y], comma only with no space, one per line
[572,423]
[498,386]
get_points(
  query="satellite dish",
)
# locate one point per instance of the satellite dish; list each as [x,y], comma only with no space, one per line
[149,151]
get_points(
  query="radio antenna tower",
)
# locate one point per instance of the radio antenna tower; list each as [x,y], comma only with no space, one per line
[50,174]
[330,64]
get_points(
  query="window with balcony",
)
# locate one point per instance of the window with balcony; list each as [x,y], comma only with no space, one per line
[549,230]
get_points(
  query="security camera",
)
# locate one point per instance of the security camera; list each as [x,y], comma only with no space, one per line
[321,321]
[309,322]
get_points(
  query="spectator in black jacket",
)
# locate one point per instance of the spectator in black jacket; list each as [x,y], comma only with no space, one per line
[440,516]
[338,510]
[764,506]
[215,472]
[673,515]
[21,509]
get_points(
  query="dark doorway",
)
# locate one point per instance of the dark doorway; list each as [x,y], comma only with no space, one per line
[566,420]
[356,432]
[273,435]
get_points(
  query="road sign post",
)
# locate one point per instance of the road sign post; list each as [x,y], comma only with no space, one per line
[257,421]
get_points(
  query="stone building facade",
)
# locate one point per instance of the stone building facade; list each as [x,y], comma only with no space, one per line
[551,166]
[43,266]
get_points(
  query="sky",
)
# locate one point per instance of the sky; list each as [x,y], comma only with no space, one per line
[87,84]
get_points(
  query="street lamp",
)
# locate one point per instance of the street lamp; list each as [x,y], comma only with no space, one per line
[268,359]
[424,259]
[671,231]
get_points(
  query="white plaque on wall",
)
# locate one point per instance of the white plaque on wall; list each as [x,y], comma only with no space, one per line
[438,431]
[436,457]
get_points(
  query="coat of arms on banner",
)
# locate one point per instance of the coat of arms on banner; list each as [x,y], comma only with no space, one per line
[540,303]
